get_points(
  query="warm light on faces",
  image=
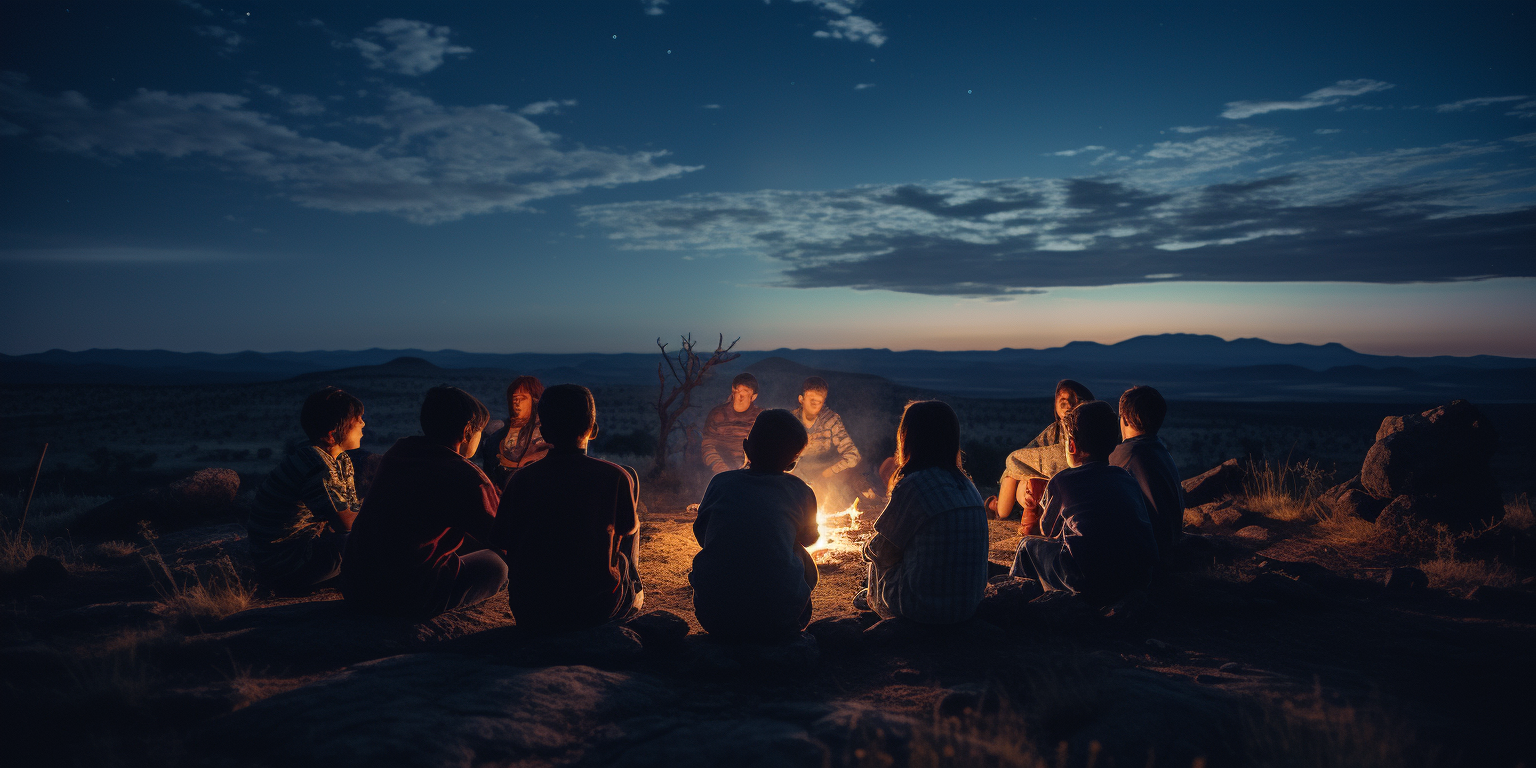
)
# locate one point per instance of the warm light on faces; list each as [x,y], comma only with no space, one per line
[811,403]
[349,438]
[742,398]
[1066,400]
[520,405]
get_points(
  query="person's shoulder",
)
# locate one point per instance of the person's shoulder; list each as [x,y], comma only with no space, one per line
[604,468]
[718,412]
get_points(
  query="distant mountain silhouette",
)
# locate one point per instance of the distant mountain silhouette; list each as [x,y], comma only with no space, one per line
[1184,365]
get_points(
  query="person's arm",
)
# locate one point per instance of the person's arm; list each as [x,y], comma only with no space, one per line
[881,551]
[472,502]
[710,442]
[808,532]
[1003,502]
[848,452]
[325,503]
[626,520]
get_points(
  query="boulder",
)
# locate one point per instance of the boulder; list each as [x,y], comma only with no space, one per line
[1005,602]
[205,496]
[837,634]
[1356,503]
[1407,580]
[1226,516]
[434,710]
[660,630]
[1254,533]
[1221,480]
[1443,450]
[1332,495]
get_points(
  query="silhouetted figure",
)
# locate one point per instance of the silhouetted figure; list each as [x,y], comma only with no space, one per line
[1098,541]
[1026,471]
[518,443]
[1142,453]
[754,576]
[305,507]
[928,557]
[830,455]
[418,547]
[569,526]
[728,424]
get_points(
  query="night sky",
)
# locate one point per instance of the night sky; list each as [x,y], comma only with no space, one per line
[585,176]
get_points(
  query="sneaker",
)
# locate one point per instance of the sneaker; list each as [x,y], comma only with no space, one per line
[861,600]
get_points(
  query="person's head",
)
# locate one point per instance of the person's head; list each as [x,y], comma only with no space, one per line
[332,417]
[452,417]
[813,395]
[928,436]
[1092,431]
[743,392]
[567,416]
[1142,409]
[1069,395]
[775,442]
[523,397]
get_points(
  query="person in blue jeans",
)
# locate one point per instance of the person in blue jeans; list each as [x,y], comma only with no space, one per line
[1098,542]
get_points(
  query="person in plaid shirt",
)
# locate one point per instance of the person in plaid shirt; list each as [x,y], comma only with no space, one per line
[928,557]
[830,454]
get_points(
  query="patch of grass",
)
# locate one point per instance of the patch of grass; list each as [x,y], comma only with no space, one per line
[1460,577]
[1285,491]
[1313,732]
[17,548]
[196,596]
[1517,513]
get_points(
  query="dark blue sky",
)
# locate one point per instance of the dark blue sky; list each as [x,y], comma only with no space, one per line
[587,176]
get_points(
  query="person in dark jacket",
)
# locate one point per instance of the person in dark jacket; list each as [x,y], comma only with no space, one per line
[569,526]
[754,576]
[418,547]
[1098,541]
[1142,453]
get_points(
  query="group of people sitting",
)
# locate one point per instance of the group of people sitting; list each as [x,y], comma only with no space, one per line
[1099,493]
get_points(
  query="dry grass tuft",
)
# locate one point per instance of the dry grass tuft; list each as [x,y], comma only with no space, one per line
[19,547]
[1315,733]
[1460,577]
[1284,491]
[196,596]
[1517,513]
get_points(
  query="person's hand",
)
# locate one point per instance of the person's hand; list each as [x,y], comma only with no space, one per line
[827,472]
[991,505]
[1028,500]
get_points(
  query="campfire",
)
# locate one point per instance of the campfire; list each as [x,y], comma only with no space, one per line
[838,532]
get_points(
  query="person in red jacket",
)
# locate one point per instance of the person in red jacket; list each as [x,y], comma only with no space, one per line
[569,527]
[418,548]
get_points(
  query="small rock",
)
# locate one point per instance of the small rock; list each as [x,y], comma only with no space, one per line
[659,630]
[906,675]
[1407,580]
[1211,485]
[968,700]
[1257,533]
[1226,517]
[1231,666]
[838,634]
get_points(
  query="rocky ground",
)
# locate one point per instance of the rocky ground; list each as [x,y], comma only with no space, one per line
[1286,635]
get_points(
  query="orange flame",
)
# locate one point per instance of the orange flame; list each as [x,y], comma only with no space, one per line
[837,532]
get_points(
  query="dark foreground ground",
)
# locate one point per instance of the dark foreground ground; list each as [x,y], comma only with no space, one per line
[1277,644]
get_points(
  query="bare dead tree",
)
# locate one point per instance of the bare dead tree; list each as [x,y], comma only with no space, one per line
[675,394]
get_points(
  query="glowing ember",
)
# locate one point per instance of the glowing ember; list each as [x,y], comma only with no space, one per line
[837,532]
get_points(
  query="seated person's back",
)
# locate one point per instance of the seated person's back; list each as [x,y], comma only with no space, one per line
[304,508]
[1098,540]
[418,546]
[1143,454]
[928,557]
[565,522]
[753,577]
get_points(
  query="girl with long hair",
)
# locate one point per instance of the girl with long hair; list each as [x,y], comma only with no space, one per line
[928,557]
[519,443]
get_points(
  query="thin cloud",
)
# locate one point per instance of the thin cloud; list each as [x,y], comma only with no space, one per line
[295,103]
[1322,97]
[1524,111]
[1328,131]
[653,7]
[1076,152]
[406,47]
[710,106]
[422,161]
[845,25]
[1402,216]
[1465,104]
[228,40]
[862,86]
[550,106]
[1192,128]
